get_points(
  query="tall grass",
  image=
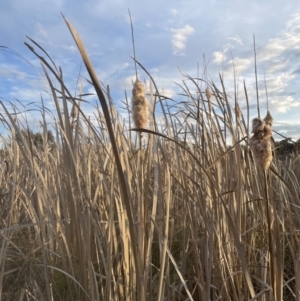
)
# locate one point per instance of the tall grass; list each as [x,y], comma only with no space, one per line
[81,222]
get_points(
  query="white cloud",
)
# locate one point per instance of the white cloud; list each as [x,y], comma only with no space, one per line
[288,40]
[218,57]
[279,82]
[240,64]
[284,104]
[179,38]
[277,66]
[167,93]
[174,12]
[236,39]
[70,48]
[25,94]
[40,30]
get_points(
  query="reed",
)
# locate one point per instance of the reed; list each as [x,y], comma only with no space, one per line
[260,143]
[79,223]
[139,106]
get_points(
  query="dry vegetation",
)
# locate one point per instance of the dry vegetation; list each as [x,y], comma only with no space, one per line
[183,218]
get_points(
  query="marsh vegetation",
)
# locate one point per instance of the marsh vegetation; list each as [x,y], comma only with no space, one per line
[181,216]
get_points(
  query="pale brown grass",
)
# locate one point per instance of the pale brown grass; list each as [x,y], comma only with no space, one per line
[83,222]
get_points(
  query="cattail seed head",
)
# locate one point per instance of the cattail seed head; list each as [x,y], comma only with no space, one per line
[260,143]
[269,119]
[208,93]
[139,105]
[238,111]
[74,111]
[208,96]
[257,125]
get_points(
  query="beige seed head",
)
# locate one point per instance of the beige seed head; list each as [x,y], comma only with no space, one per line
[260,143]
[269,119]
[257,125]
[139,105]
[238,111]
[208,93]
[74,111]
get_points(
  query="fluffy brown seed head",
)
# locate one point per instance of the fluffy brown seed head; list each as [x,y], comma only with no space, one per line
[208,93]
[260,143]
[74,111]
[257,125]
[269,119]
[238,111]
[139,105]
[138,89]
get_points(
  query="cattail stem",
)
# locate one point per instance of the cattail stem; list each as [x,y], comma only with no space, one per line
[266,91]
[269,222]
[133,45]
[258,111]
[141,215]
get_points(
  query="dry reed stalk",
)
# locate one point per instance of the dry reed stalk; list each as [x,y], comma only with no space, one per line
[139,106]
[261,147]
[260,143]
[256,82]
[140,117]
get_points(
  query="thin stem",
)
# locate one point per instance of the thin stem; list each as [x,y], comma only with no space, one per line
[266,91]
[268,211]
[133,45]
[258,112]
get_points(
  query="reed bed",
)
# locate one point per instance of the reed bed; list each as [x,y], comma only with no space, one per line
[82,222]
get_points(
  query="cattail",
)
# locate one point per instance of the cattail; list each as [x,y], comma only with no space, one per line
[260,143]
[269,119]
[238,111]
[139,106]
[257,125]
[74,111]
[208,93]
[73,116]
[208,96]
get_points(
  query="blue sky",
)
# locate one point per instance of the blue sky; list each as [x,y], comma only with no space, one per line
[168,35]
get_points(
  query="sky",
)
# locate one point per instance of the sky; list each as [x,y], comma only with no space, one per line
[170,37]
